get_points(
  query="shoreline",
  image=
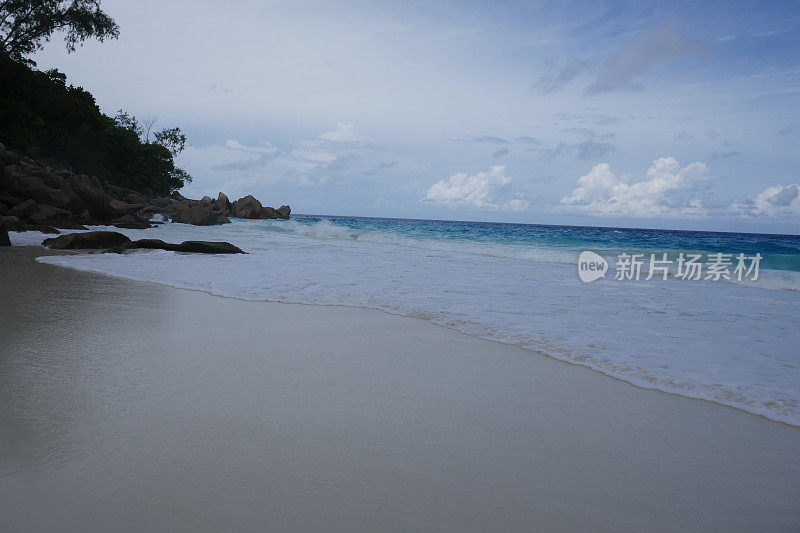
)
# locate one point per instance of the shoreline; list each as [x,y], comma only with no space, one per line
[367,419]
[677,392]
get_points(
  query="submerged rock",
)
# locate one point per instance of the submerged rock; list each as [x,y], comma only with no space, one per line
[198,247]
[148,244]
[84,241]
[209,247]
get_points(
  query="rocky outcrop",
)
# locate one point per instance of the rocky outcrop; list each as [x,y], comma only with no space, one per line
[249,207]
[199,215]
[38,196]
[90,194]
[223,204]
[92,240]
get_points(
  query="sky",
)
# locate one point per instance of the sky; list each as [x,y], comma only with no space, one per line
[682,115]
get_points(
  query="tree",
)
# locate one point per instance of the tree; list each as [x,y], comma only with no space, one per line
[129,122]
[172,139]
[25,25]
[147,126]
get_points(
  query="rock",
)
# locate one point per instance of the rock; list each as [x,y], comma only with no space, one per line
[206,199]
[199,247]
[199,215]
[121,208]
[134,197]
[51,179]
[5,240]
[69,225]
[48,213]
[3,209]
[177,196]
[3,150]
[149,244]
[9,200]
[11,158]
[23,209]
[91,193]
[88,240]
[223,203]
[22,226]
[161,202]
[85,217]
[247,207]
[130,221]
[208,247]
[48,196]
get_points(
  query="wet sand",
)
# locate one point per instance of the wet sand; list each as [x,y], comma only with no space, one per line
[132,406]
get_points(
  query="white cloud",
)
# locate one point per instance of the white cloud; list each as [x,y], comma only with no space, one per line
[344,132]
[779,200]
[266,147]
[517,204]
[479,190]
[667,190]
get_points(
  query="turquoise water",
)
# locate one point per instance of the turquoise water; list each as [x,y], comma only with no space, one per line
[780,252]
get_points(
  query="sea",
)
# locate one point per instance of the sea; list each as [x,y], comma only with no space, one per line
[728,333]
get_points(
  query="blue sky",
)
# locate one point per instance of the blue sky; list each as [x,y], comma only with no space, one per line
[661,114]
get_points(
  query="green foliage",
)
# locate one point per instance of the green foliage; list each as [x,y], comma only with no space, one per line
[172,139]
[25,25]
[64,125]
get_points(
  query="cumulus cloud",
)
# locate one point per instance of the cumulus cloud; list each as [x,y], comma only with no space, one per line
[484,190]
[777,201]
[667,190]
[650,49]
[344,132]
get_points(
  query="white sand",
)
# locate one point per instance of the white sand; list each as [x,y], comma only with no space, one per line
[131,406]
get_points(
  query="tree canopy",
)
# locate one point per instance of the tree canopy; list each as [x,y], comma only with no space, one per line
[61,124]
[41,115]
[25,25]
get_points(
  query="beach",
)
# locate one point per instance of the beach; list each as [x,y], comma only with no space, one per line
[134,406]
